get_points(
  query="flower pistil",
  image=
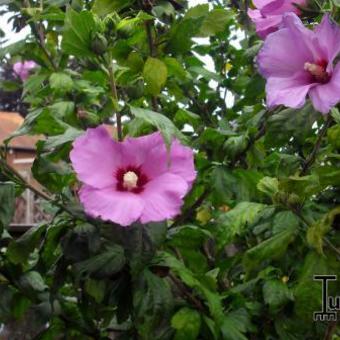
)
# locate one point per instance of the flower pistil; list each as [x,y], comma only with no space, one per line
[130,180]
[318,71]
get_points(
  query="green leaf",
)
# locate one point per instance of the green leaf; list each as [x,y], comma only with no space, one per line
[276,294]
[62,109]
[7,294]
[53,174]
[175,68]
[238,184]
[155,74]
[272,248]
[33,281]
[162,123]
[61,82]
[68,136]
[303,186]
[284,220]
[235,145]
[289,123]
[77,33]
[235,221]
[268,185]
[187,323]
[335,114]
[141,242]
[318,230]
[213,300]
[152,301]
[7,204]
[333,134]
[188,236]
[96,289]
[40,121]
[235,325]
[308,292]
[81,242]
[105,7]
[19,250]
[186,117]
[105,264]
[181,34]
[215,22]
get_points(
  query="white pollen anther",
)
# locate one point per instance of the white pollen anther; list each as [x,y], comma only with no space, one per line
[316,70]
[130,180]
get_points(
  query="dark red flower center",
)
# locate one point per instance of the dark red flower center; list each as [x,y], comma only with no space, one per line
[318,71]
[130,179]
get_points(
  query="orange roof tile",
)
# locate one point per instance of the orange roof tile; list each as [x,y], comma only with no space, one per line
[10,122]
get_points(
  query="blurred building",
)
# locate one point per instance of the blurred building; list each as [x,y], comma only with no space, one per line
[21,153]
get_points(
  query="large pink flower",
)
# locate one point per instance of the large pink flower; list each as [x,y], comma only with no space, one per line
[298,62]
[268,14]
[22,69]
[133,180]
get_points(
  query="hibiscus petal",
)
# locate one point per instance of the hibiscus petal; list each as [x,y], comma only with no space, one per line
[283,54]
[325,96]
[120,207]
[163,198]
[282,6]
[274,7]
[304,39]
[265,25]
[290,91]
[95,158]
[261,3]
[180,162]
[328,34]
[136,149]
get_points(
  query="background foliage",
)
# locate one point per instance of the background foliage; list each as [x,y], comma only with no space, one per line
[263,215]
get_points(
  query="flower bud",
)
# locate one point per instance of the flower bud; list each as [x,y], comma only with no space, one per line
[99,44]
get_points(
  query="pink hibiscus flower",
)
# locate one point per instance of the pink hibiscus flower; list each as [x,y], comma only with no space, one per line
[298,62]
[134,180]
[268,14]
[22,69]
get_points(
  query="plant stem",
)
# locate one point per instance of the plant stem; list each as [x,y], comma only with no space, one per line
[41,41]
[182,288]
[24,182]
[191,209]
[148,28]
[38,31]
[330,330]
[114,95]
[311,158]
[9,169]
[260,133]
[326,240]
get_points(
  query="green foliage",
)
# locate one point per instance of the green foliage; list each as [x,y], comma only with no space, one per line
[260,220]
[7,199]
[187,323]
[155,74]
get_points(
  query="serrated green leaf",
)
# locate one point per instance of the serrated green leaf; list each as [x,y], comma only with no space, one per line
[155,74]
[61,82]
[215,22]
[272,248]
[162,123]
[111,261]
[276,294]
[235,221]
[77,33]
[105,7]
[187,323]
